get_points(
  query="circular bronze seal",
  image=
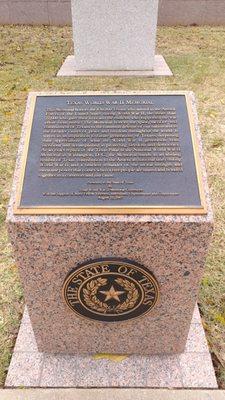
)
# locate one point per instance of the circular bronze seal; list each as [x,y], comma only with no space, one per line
[110,290]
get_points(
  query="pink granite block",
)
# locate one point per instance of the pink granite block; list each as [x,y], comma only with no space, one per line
[92,373]
[196,319]
[26,317]
[168,372]
[26,339]
[135,371]
[196,341]
[197,370]
[172,247]
[193,369]
[25,369]
[58,371]
[129,372]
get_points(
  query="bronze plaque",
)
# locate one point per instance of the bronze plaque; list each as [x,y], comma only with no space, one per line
[110,154]
[110,290]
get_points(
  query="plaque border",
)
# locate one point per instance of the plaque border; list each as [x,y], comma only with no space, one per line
[110,210]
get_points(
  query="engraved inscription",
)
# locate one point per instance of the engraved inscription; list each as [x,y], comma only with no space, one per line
[100,153]
[110,290]
[99,143]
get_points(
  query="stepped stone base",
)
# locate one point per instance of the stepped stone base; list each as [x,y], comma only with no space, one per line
[161,69]
[191,369]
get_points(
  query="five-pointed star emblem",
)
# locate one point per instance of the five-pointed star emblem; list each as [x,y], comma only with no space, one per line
[111,294]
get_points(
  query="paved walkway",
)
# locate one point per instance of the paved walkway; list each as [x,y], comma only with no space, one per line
[110,394]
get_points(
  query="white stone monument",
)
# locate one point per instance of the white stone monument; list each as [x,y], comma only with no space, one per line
[114,37]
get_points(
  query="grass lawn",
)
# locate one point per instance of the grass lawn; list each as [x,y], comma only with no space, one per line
[29,60]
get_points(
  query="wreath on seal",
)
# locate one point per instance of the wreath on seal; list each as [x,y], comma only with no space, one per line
[132,295]
[91,300]
[90,297]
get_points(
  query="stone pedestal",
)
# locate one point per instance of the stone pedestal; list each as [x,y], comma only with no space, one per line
[172,247]
[116,36]
[191,369]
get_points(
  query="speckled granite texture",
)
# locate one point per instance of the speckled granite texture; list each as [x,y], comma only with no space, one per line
[160,69]
[114,34]
[172,247]
[192,369]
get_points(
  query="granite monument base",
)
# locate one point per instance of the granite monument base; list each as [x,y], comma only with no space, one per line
[161,68]
[191,369]
[172,247]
